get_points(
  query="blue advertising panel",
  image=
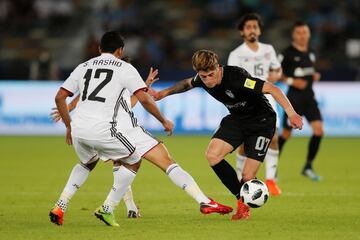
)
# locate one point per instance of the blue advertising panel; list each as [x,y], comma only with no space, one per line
[25,108]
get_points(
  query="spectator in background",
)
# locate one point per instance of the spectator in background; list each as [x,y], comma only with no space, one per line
[44,68]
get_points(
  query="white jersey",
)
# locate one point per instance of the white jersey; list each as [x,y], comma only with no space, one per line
[105,84]
[257,63]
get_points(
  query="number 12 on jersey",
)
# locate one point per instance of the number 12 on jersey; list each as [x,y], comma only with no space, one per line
[88,76]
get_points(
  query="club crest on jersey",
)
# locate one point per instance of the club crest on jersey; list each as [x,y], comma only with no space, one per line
[249,83]
[229,93]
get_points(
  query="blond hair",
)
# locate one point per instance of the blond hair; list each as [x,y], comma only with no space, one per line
[204,60]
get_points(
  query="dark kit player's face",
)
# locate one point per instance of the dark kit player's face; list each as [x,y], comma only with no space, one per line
[301,35]
[211,77]
[251,31]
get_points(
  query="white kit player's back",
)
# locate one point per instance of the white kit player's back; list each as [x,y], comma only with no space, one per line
[104,83]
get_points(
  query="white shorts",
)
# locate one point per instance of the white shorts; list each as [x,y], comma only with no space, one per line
[127,147]
[274,106]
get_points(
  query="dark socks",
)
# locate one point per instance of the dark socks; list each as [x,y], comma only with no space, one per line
[281,142]
[228,177]
[312,150]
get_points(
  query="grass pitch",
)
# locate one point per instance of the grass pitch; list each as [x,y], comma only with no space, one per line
[34,170]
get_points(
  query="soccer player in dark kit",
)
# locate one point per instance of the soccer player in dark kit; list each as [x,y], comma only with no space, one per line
[298,67]
[251,120]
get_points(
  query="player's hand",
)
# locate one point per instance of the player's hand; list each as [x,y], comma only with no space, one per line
[68,136]
[168,127]
[296,121]
[152,77]
[55,115]
[316,76]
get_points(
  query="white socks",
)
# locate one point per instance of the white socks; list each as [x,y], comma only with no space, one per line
[123,178]
[271,159]
[129,201]
[183,180]
[240,160]
[77,177]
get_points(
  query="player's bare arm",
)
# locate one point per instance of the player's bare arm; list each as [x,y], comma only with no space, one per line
[60,100]
[279,96]
[179,87]
[149,104]
[55,115]
[151,78]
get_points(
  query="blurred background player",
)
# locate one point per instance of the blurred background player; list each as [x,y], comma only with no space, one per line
[299,73]
[259,59]
[251,121]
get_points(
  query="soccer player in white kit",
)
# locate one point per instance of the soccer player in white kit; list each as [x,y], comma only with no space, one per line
[131,101]
[260,60]
[104,127]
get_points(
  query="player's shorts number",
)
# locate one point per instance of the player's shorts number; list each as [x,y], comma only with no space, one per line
[262,143]
[93,96]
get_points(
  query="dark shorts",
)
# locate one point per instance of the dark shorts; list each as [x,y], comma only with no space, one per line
[305,106]
[256,134]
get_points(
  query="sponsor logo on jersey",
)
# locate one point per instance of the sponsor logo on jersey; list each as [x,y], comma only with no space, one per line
[236,105]
[229,93]
[249,83]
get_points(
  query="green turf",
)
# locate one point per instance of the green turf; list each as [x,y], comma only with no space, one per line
[33,172]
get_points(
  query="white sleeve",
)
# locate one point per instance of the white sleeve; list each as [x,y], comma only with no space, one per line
[71,84]
[274,62]
[232,60]
[133,80]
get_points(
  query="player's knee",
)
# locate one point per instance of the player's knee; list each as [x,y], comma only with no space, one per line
[134,167]
[247,175]
[319,131]
[91,165]
[286,133]
[274,143]
[212,157]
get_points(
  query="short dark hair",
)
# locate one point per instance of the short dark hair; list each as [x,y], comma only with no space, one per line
[247,17]
[111,41]
[298,23]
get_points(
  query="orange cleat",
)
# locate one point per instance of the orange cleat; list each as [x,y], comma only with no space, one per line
[214,207]
[57,216]
[273,187]
[242,212]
